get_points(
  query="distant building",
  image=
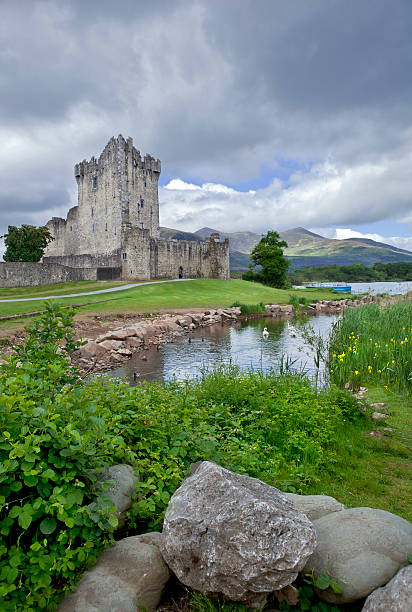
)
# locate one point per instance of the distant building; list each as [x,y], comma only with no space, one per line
[115,226]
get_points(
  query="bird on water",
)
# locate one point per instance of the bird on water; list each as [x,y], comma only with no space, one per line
[265,333]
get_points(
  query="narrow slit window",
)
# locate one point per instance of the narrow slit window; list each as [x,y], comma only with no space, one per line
[124,255]
[94,182]
[92,211]
[105,227]
[93,227]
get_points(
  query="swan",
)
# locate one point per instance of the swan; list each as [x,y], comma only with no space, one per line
[265,333]
[291,330]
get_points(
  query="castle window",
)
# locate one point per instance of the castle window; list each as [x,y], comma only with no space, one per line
[71,228]
[105,227]
[94,182]
[93,227]
[141,202]
[124,255]
[92,211]
[143,172]
[145,184]
[115,230]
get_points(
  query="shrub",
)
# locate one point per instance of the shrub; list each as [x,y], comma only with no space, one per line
[250,308]
[52,524]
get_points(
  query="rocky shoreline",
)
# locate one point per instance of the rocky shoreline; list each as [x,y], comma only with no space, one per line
[109,344]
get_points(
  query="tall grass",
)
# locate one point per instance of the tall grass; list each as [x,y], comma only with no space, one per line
[373,346]
[250,308]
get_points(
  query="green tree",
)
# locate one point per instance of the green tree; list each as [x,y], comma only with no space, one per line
[268,257]
[26,243]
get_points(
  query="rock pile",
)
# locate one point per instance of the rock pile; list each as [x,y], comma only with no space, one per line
[119,344]
[241,538]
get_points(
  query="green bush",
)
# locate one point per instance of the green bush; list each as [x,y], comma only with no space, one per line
[250,308]
[52,524]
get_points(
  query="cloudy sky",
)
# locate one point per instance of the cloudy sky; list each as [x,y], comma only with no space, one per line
[266,114]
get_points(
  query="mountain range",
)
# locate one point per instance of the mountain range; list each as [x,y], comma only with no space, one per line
[305,249]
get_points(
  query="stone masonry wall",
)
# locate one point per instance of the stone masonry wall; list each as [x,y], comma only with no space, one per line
[144,257]
[31,274]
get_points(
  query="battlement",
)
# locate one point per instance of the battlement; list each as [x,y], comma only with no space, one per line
[110,157]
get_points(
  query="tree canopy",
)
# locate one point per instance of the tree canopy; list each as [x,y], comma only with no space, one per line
[26,243]
[269,266]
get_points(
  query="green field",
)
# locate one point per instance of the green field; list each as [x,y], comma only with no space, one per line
[165,296]
[58,289]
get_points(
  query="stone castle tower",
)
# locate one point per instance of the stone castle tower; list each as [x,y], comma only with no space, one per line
[115,225]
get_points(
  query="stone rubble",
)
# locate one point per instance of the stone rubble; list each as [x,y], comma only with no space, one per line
[237,537]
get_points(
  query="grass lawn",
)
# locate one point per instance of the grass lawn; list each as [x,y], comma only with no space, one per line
[370,471]
[166,296]
[57,289]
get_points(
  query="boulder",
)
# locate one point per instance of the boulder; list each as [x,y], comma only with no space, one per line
[396,596]
[315,506]
[120,334]
[127,577]
[362,548]
[234,535]
[377,416]
[91,350]
[111,345]
[120,491]
[134,342]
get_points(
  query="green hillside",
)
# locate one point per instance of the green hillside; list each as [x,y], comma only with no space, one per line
[305,249]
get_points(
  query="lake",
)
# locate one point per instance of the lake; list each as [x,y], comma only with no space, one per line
[241,344]
[394,288]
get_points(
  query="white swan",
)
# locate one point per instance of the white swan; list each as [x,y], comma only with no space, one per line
[292,331]
[265,333]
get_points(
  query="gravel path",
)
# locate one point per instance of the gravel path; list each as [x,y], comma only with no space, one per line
[112,290]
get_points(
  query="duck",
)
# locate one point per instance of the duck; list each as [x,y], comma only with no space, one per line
[265,333]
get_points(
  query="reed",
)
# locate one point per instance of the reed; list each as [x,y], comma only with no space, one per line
[372,346]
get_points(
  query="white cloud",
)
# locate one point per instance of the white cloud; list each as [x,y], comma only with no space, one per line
[342,233]
[329,194]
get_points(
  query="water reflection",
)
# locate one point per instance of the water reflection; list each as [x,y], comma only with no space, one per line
[241,344]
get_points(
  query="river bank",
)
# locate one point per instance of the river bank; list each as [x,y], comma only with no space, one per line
[112,342]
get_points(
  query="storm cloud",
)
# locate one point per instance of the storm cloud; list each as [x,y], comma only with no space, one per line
[277,113]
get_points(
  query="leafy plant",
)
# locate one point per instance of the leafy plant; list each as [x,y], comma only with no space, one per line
[53,523]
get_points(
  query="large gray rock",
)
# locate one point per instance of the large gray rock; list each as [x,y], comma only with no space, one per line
[127,577]
[396,596]
[362,548]
[315,506]
[233,535]
[121,489]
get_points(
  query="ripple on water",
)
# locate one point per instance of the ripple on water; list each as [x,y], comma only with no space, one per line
[241,344]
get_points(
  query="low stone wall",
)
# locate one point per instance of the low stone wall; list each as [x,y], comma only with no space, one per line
[31,274]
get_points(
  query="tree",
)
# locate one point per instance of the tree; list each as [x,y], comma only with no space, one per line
[26,243]
[268,255]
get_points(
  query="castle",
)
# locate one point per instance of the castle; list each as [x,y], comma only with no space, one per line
[115,226]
